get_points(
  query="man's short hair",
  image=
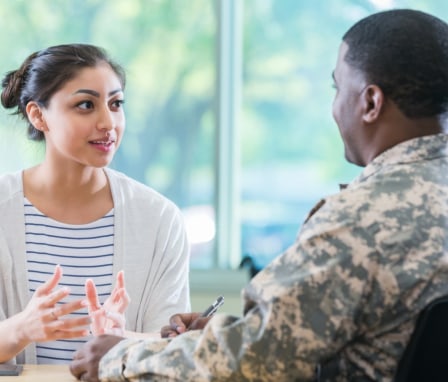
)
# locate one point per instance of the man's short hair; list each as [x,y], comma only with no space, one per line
[405,53]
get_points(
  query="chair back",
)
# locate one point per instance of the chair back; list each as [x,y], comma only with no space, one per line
[426,356]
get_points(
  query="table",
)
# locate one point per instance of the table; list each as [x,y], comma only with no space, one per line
[42,373]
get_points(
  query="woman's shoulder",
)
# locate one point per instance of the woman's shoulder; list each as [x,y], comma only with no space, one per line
[10,184]
[129,188]
[128,184]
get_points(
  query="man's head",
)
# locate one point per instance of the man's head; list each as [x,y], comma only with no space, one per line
[405,53]
[399,58]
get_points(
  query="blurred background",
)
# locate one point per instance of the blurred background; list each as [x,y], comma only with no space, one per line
[228,106]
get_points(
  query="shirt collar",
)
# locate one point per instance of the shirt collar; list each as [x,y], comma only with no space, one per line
[413,150]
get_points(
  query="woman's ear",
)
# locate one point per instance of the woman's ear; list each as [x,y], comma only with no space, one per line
[35,116]
[373,100]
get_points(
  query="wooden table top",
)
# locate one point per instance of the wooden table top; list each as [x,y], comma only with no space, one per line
[42,373]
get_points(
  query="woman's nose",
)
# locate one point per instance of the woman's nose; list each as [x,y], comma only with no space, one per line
[106,120]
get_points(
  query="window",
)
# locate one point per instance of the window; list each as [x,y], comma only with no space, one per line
[228,106]
[168,51]
[291,151]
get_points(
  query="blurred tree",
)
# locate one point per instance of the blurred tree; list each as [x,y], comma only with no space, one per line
[168,51]
[290,49]
[290,144]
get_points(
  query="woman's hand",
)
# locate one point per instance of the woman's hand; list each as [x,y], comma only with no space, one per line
[108,318]
[42,320]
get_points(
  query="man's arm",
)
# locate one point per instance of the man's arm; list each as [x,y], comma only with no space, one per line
[85,361]
[300,310]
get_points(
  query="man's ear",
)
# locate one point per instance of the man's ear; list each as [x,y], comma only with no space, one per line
[373,101]
[35,116]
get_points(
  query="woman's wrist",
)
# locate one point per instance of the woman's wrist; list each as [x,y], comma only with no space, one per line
[18,329]
[14,337]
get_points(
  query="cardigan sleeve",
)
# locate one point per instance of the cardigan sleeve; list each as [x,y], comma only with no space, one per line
[152,248]
[171,291]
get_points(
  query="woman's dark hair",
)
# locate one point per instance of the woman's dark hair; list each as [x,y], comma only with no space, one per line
[45,72]
[405,53]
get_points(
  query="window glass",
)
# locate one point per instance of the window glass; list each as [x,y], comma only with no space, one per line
[291,151]
[168,51]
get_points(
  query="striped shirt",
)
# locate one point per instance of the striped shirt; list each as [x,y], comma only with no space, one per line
[83,251]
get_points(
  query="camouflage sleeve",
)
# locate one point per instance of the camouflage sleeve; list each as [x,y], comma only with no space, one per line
[360,270]
[299,309]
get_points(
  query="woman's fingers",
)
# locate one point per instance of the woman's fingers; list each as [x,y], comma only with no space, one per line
[104,322]
[58,320]
[51,283]
[92,295]
[69,307]
[97,325]
[60,331]
[119,295]
[119,283]
[72,324]
[108,317]
[118,319]
[116,324]
[121,299]
[120,280]
[54,324]
[56,296]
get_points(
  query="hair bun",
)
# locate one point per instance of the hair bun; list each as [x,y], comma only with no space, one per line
[12,85]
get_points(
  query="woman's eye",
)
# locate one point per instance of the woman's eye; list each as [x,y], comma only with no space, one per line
[85,105]
[118,103]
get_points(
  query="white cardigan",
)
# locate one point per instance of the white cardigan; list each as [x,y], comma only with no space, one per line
[150,245]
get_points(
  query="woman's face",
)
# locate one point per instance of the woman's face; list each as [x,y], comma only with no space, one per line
[84,121]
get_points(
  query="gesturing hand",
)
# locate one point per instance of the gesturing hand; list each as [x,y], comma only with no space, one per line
[108,318]
[41,319]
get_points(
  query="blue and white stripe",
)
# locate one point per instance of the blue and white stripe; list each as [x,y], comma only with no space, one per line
[83,251]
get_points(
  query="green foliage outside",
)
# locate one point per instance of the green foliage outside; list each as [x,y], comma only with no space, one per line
[167,48]
[290,145]
[290,49]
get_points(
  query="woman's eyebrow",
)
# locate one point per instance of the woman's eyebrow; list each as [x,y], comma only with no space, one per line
[95,93]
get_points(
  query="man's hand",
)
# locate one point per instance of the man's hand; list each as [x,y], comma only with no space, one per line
[86,360]
[180,323]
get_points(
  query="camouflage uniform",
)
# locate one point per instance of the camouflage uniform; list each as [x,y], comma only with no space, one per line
[346,294]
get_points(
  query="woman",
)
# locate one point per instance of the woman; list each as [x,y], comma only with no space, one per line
[71,213]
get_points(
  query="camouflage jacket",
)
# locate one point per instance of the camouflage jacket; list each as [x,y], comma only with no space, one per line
[346,293]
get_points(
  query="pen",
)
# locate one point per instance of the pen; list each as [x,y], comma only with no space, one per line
[207,312]
[213,307]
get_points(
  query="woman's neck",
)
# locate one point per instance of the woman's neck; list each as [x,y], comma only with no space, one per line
[75,197]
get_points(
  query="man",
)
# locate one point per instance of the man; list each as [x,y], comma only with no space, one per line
[345,297]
